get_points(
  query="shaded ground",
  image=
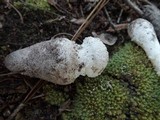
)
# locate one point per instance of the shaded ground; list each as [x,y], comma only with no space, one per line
[40,25]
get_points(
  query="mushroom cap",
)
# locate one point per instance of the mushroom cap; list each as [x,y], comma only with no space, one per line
[95,56]
[142,32]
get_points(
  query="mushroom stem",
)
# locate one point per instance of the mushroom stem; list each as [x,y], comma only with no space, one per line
[142,33]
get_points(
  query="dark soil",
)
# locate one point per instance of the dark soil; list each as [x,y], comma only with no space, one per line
[38,27]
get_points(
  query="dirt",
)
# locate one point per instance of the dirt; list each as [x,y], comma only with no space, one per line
[40,25]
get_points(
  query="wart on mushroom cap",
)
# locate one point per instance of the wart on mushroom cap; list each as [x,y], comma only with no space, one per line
[60,60]
[142,33]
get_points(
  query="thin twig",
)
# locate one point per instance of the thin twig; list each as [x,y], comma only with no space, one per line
[20,15]
[26,99]
[58,7]
[117,27]
[69,5]
[81,10]
[28,84]
[112,24]
[36,87]
[146,1]
[38,96]
[11,73]
[134,7]
[89,18]
[20,106]
[59,34]
[109,19]
[120,15]
[65,106]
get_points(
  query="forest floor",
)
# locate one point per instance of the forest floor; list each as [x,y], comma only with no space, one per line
[22,26]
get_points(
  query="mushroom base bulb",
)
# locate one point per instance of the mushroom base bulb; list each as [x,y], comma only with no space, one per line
[60,60]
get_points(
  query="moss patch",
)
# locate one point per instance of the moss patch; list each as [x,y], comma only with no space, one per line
[36,4]
[132,66]
[99,98]
[53,96]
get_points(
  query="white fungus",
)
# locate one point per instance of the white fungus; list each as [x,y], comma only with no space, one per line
[60,60]
[142,33]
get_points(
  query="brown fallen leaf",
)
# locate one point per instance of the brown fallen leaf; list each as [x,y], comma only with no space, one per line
[118,27]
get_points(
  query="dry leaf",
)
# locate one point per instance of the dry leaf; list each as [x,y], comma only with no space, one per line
[78,21]
[106,38]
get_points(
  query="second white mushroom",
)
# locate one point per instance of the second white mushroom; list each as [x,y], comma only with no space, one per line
[142,33]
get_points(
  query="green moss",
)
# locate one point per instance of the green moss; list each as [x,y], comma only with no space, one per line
[129,60]
[36,4]
[54,97]
[99,98]
[42,4]
[132,65]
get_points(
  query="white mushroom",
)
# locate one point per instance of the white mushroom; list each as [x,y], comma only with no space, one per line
[60,60]
[142,33]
